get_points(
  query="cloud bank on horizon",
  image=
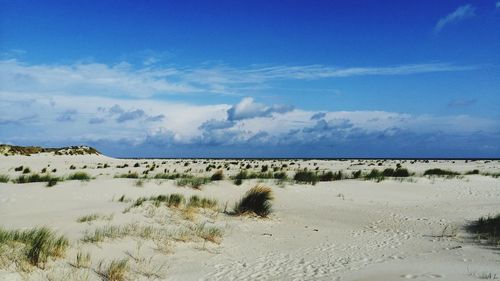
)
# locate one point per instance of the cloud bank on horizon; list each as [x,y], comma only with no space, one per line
[153,104]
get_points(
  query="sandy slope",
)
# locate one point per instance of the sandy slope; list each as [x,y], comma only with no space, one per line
[343,230]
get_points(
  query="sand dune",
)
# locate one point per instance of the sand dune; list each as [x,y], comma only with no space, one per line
[350,229]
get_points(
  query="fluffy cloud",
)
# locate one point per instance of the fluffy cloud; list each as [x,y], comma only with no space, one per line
[121,118]
[461,13]
[247,109]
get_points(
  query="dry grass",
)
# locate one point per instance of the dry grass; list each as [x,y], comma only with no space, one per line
[116,270]
[94,217]
[83,260]
[209,233]
[38,245]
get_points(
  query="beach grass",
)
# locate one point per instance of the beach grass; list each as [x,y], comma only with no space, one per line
[257,200]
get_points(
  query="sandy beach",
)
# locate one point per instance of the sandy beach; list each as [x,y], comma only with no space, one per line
[350,229]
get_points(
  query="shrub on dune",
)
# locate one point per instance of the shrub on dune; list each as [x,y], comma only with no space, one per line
[401,173]
[375,175]
[4,178]
[331,176]
[133,175]
[217,176]
[486,228]
[356,174]
[306,177]
[257,200]
[194,182]
[79,176]
[440,172]
[36,178]
[280,176]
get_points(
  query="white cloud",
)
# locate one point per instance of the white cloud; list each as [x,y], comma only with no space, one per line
[196,125]
[461,13]
[82,103]
[125,80]
[89,79]
[247,109]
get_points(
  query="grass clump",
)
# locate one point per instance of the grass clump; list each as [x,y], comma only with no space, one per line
[37,178]
[4,178]
[83,260]
[486,228]
[82,176]
[193,182]
[331,176]
[257,200]
[397,173]
[173,200]
[117,270]
[209,233]
[100,234]
[39,244]
[217,176]
[495,175]
[88,218]
[306,177]
[174,176]
[243,175]
[52,182]
[196,202]
[440,172]
[133,175]
[374,174]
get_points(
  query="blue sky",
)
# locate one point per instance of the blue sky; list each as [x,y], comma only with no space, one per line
[253,78]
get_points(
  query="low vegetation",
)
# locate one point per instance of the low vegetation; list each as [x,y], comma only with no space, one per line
[243,175]
[82,176]
[116,270]
[257,200]
[51,180]
[306,177]
[193,182]
[133,175]
[196,202]
[487,228]
[83,260]
[217,176]
[94,217]
[88,218]
[440,172]
[176,200]
[39,244]
[193,232]
[4,178]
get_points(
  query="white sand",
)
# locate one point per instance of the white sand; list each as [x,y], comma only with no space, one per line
[342,230]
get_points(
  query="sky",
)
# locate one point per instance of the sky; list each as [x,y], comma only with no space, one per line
[253,78]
